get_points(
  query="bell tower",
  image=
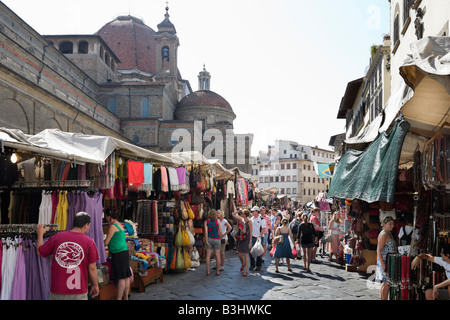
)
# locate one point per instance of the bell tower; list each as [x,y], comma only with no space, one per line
[204,80]
[167,44]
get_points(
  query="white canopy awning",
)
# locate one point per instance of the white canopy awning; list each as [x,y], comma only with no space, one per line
[75,147]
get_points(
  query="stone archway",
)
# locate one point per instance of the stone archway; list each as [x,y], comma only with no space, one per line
[13,116]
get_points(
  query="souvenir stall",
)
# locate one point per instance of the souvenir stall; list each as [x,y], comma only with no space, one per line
[415,189]
[46,179]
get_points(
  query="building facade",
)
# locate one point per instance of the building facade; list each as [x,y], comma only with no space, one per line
[290,167]
[122,81]
[364,103]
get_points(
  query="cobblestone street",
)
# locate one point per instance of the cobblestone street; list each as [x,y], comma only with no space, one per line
[328,281]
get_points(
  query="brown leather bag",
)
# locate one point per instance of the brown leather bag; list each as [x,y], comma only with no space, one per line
[358,225]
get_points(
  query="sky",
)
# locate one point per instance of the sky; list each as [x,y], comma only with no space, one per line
[283,65]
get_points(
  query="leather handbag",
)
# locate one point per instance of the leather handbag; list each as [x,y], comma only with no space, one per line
[358,225]
[184,213]
[191,214]
[360,245]
[278,239]
[352,243]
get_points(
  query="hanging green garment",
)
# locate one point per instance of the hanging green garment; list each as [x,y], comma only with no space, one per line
[371,175]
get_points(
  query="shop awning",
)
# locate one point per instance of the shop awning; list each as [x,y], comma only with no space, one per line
[370,175]
[426,89]
[423,97]
[75,146]
[195,157]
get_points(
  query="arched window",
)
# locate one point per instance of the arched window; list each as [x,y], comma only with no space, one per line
[112,105]
[66,47]
[145,107]
[107,59]
[83,47]
[165,53]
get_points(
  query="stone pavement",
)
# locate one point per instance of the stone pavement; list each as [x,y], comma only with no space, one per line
[328,281]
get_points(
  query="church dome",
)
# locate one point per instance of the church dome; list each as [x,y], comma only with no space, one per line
[132,41]
[205,104]
[204,98]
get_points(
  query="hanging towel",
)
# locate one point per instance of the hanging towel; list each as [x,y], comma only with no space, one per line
[135,172]
[173,177]
[148,176]
[164,180]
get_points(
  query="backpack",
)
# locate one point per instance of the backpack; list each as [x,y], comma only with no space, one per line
[295,227]
[241,232]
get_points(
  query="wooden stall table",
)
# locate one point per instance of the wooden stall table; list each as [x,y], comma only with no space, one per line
[153,274]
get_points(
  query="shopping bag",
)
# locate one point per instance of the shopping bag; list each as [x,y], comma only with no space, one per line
[299,250]
[257,249]
[272,252]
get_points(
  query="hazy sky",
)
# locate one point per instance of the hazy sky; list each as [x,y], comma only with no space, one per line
[283,65]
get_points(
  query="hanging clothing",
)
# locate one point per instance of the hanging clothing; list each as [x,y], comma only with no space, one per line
[94,206]
[148,176]
[164,180]
[62,211]
[9,259]
[173,177]
[19,285]
[135,172]
[45,208]
[230,189]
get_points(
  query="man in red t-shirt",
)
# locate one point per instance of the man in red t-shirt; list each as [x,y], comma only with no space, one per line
[74,258]
[314,219]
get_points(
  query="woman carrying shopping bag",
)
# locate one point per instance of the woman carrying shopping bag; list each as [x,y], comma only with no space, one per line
[284,248]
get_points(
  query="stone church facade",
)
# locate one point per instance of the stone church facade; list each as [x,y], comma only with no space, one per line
[123,81]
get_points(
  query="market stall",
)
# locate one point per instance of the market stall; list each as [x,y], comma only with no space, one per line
[402,171]
[49,177]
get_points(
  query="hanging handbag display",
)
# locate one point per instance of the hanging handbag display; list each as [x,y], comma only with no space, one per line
[191,237]
[352,243]
[173,263]
[179,236]
[186,240]
[191,214]
[180,260]
[184,213]
[360,245]
[358,225]
[187,259]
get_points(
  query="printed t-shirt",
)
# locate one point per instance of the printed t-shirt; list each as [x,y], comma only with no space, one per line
[213,229]
[443,264]
[315,221]
[72,253]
